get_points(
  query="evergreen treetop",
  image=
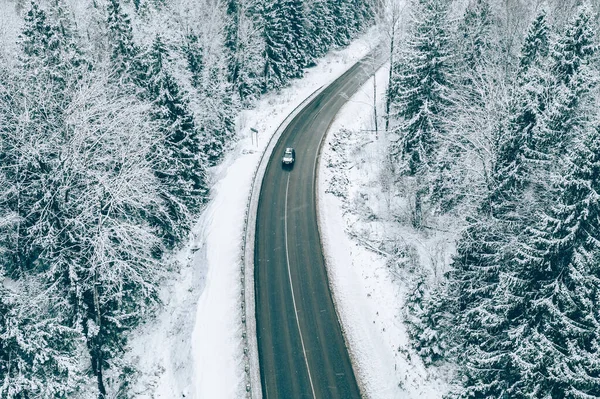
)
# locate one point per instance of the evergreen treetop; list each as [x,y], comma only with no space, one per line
[422,77]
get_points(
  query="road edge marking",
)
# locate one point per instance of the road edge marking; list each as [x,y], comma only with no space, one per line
[287,259]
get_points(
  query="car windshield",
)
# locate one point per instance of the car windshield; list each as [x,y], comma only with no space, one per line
[288,151]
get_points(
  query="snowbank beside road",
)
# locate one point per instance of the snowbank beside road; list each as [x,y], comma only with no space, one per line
[194,347]
[368,293]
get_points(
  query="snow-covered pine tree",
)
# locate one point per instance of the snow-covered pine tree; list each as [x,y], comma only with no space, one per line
[181,170]
[555,317]
[517,140]
[232,39]
[487,247]
[297,20]
[39,352]
[420,81]
[342,19]
[124,53]
[281,64]
[363,14]
[474,39]
[195,58]
[572,59]
[320,28]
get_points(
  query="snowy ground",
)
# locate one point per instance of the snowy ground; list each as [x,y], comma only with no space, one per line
[372,257]
[193,348]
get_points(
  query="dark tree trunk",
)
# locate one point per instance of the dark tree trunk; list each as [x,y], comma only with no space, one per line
[418,220]
[388,97]
[97,366]
[375,100]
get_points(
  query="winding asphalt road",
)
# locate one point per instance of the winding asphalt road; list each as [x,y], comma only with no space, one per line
[302,351]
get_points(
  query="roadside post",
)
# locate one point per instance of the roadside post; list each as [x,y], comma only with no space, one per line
[254,132]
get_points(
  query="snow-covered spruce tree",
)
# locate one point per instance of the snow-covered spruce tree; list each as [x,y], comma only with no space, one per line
[431,316]
[495,325]
[419,93]
[536,44]
[50,54]
[297,31]
[425,320]
[475,322]
[335,22]
[554,308]
[124,53]
[476,334]
[244,45]
[181,170]
[572,58]
[194,57]
[8,208]
[232,38]
[217,95]
[38,350]
[284,42]
[342,14]
[517,140]
[297,20]
[474,39]
[534,291]
[320,28]
[12,209]
[217,119]
[363,14]
[422,75]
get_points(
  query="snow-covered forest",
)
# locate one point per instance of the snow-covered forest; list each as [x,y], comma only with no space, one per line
[494,133]
[111,114]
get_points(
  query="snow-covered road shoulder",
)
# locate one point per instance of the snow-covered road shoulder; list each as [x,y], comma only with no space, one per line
[368,295]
